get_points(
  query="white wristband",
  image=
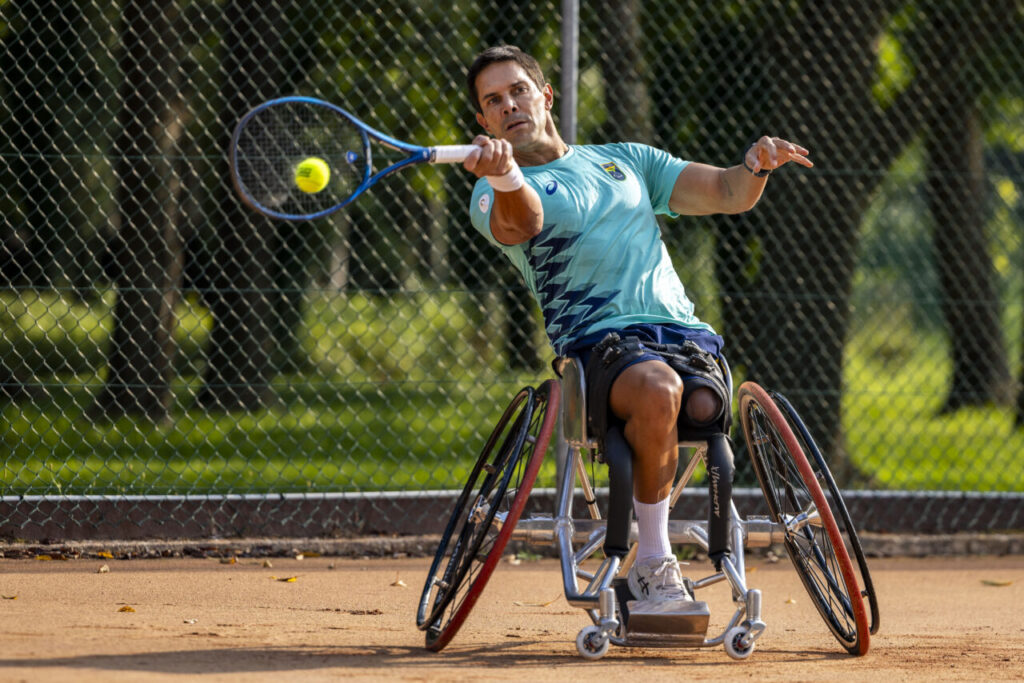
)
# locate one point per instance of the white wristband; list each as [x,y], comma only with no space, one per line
[508,182]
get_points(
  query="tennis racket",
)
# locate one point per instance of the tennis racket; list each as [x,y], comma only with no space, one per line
[272,141]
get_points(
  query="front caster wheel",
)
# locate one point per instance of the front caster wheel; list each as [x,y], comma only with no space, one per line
[738,643]
[591,643]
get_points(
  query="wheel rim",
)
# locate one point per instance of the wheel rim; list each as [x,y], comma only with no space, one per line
[839,509]
[795,499]
[519,473]
[461,533]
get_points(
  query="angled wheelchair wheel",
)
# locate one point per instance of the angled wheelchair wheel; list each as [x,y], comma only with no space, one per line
[795,498]
[486,513]
[838,505]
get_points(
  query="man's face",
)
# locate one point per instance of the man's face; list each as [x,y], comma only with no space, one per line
[514,108]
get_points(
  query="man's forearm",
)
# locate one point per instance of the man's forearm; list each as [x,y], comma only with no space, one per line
[517,216]
[741,189]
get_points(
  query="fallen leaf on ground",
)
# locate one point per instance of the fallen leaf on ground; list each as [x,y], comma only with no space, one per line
[9,597]
[266,563]
[127,608]
[992,582]
[398,582]
[289,579]
[190,621]
[229,560]
[790,601]
[103,570]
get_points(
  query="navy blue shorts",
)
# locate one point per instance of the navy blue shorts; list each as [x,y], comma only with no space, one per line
[666,333]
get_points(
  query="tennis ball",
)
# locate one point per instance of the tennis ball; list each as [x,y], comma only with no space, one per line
[312,175]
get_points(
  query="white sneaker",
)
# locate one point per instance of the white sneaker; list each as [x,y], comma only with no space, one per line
[657,579]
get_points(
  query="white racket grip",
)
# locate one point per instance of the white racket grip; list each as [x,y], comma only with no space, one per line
[450,154]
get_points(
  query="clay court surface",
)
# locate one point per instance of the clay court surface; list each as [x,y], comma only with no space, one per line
[942,619]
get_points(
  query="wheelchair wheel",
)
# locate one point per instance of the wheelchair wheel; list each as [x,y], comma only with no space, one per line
[795,499]
[486,513]
[842,515]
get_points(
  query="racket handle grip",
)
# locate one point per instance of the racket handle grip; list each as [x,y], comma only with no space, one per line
[450,154]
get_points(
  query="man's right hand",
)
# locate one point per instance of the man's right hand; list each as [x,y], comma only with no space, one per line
[516,216]
[493,158]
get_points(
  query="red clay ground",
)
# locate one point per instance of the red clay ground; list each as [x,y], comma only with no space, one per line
[942,619]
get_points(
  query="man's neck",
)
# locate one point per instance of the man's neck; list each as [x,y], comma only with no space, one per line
[542,154]
[549,148]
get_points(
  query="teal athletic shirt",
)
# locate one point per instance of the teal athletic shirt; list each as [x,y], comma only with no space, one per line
[599,262]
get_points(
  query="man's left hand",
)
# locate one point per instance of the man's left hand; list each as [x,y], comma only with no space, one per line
[767,154]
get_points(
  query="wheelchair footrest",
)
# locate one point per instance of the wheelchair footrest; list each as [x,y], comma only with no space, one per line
[662,624]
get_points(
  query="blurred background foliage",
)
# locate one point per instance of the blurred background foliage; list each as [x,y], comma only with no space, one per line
[156,337]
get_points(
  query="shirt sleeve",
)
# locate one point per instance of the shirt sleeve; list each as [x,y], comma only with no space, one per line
[480,210]
[660,171]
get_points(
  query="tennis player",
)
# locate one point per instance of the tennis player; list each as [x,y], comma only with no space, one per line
[579,223]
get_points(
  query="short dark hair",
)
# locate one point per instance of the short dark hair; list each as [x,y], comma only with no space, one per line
[502,53]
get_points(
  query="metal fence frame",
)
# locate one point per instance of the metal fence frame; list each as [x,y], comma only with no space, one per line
[347,514]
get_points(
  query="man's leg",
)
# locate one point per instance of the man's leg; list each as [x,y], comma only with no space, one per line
[647,397]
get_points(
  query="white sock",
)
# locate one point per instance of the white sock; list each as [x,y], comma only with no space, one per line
[652,527]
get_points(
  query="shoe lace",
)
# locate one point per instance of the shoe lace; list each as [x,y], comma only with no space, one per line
[669,578]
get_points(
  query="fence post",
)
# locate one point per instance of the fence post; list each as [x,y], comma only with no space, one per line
[570,68]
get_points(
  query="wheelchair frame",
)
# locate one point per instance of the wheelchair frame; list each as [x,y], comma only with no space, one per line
[801,519]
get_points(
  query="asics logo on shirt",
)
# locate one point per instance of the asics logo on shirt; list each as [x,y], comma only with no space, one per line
[551,187]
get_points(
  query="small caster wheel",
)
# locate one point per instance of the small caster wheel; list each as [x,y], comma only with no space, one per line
[735,643]
[591,644]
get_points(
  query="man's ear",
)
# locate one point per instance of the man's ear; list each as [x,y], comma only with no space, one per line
[482,121]
[549,96]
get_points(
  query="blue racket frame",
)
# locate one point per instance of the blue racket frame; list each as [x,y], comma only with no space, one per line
[417,155]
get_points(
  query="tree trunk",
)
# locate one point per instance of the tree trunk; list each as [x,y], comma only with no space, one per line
[242,300]
[786,268]
[149,248]
[627,101]
[956,191]
[39,66]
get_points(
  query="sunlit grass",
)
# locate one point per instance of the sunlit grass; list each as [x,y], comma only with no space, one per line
[362,419]
[896,435]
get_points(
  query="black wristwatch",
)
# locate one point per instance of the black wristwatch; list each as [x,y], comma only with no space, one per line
[759,174]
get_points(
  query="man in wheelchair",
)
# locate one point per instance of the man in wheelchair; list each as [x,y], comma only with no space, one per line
[579,222]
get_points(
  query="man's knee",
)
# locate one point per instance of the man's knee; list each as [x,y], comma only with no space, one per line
[703,406]
[649,390]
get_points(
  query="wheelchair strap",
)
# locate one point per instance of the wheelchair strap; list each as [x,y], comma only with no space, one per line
[688,359]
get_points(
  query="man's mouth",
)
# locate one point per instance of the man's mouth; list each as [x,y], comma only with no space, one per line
[516,124]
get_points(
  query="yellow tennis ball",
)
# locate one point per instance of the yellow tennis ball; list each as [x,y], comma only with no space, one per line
[312,175]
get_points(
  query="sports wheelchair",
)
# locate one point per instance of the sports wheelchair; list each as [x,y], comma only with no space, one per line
[806,514]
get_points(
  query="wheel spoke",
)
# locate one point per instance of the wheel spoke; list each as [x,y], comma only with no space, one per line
[794,490]
[485,524]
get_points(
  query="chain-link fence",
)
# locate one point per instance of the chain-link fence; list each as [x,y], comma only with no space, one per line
[171,363]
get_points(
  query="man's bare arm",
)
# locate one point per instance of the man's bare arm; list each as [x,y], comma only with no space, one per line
[517,214]
[701,189]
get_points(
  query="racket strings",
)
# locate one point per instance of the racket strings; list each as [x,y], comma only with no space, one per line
[274,141]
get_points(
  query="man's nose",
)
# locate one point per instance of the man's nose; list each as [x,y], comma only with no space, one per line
[508,105]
